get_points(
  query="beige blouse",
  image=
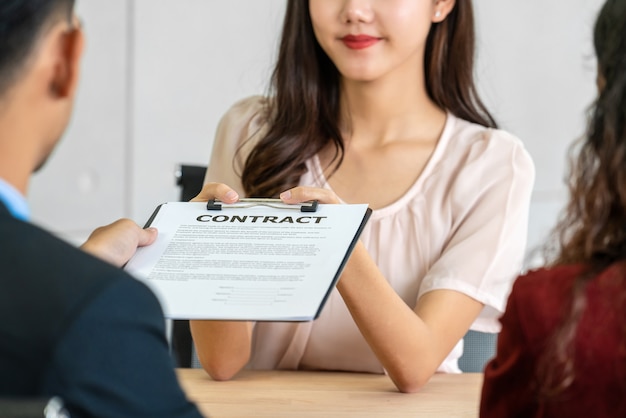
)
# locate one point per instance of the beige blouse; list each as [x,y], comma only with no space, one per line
[461,226]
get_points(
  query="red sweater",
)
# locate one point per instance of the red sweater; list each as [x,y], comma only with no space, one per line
[534,311]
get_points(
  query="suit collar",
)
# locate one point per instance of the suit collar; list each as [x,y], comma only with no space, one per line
[3,209]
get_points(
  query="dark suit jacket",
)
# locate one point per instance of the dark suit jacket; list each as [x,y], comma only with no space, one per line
[76,327]
[536,307]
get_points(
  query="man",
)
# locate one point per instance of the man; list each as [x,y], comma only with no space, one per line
[72,326]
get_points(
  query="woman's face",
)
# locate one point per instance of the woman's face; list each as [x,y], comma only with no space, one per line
[368,39]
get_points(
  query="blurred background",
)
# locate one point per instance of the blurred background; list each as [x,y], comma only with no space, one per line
[159,74]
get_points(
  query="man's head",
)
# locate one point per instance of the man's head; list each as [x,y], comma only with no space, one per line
[40,49]
[22,22]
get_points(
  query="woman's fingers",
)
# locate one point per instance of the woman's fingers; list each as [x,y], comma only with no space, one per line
[304,194]
[216,191]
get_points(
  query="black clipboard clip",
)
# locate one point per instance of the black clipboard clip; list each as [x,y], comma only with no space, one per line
[216,204]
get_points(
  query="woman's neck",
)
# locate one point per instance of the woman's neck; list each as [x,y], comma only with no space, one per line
[388,109]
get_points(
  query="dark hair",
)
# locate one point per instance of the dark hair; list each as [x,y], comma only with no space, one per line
[21,23]
[303,115]
[592,230]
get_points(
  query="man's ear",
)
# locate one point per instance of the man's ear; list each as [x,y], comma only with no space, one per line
[67,67]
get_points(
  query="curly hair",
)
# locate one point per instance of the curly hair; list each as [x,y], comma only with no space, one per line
[592,230]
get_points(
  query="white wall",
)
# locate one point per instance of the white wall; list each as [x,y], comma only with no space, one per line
[536,70]
[192,61]
[84,184]
[158,75]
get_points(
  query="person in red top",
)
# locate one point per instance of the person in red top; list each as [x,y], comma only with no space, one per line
[562,348]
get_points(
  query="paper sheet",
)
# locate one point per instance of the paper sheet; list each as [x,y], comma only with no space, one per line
[257,263]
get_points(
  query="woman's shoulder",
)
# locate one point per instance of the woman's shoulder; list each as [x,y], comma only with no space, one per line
[472,154]
[243,123]
[546,285]
[246,110]
[560,278]
[550,276]
[490,140]
[539,295]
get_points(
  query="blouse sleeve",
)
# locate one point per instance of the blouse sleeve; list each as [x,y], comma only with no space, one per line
[489,199]
[507,385]
[237,133]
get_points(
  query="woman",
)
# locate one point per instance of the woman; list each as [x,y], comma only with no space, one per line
[562,349]
[373,101]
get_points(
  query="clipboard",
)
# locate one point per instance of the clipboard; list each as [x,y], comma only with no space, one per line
[256,260]
[216,204]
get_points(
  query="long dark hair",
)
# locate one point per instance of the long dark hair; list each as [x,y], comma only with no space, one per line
[303,114]
[592,230]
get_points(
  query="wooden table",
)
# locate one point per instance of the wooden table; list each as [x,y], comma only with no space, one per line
[324,394]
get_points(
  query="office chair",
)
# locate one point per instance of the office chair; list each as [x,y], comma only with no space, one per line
[32,408]
[479,348]
[189,178]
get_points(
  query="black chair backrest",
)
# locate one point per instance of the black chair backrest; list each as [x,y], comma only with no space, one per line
[190,179]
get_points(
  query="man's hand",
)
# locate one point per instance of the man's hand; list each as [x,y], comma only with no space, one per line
[116,243]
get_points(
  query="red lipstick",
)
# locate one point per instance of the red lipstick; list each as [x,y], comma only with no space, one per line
[359,41]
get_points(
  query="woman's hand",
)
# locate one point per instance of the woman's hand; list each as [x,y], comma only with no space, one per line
[223,347]
[116,243]
[304,194]
[216,191]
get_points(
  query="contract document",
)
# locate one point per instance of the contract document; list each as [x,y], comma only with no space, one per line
[255,263]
